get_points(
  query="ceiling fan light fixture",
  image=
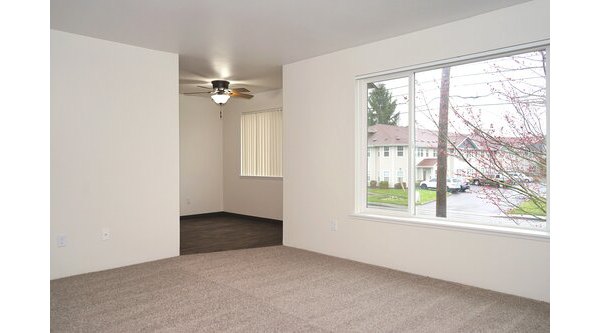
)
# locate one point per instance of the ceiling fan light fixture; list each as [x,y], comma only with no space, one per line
[220,92]
[220,97]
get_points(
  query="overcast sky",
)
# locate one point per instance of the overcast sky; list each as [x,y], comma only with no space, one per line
[471,84]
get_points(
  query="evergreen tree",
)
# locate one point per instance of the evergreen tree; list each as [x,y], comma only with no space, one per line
[382,106]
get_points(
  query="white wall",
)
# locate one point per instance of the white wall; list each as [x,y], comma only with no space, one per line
[261,197]
[114,154]
[201,156]
[319,125]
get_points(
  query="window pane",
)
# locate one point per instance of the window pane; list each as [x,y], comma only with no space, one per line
[487,122]
[387,116]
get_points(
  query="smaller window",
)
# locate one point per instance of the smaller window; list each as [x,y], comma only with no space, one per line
[426,152]
[419,152]
[434,153]
[368,152]
[400,175]
[261,143]
[400,151]
[386,151]
[386,176]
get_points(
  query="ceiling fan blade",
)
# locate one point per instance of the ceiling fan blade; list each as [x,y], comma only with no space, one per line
[237,94]
[198,93]
[240,90]
[192,81]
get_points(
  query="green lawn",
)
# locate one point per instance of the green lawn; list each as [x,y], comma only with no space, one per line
[529,208]
[398,196]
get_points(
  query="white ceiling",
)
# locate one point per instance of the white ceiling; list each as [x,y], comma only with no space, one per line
[247,42]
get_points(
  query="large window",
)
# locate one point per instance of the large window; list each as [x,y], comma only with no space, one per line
[261,143]
[475,133]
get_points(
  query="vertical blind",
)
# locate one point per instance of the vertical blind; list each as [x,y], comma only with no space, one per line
[261,136]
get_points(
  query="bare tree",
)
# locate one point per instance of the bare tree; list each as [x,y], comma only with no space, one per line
[509,154]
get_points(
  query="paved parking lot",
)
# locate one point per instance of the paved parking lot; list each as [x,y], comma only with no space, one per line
[475,206]
[473,201]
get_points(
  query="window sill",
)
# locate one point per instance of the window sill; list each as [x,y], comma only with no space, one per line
[539,235]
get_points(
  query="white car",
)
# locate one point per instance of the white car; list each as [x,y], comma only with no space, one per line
[452,184]
[519,177]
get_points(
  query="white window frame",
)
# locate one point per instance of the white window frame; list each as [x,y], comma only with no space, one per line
[361,211]
[399,151]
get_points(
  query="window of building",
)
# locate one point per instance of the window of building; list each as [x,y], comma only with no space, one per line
[386,151]
[487,115]
[261,143]
[386,176]
[400,175]
[399,151]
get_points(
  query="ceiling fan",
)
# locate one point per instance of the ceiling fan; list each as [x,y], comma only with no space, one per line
[221,92]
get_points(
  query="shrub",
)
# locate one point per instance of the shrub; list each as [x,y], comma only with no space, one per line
[384,184]
[373,184]
[398,186]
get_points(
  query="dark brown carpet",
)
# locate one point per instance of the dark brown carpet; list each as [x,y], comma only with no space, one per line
[280,289]
[222,232]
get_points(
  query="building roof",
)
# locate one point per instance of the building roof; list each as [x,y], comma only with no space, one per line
[391,135]
[427,163]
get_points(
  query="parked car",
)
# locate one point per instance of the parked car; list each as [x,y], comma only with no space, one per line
[519,177]
[464,184]
[491,180]
[452,184]
[499,179]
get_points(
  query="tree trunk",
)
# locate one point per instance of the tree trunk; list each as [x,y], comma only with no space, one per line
[442,148]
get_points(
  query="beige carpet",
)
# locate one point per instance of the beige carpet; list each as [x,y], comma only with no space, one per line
[280,289]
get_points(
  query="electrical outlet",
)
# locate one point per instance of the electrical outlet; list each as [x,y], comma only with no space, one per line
[105,234]
[333,225]
[61,240]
